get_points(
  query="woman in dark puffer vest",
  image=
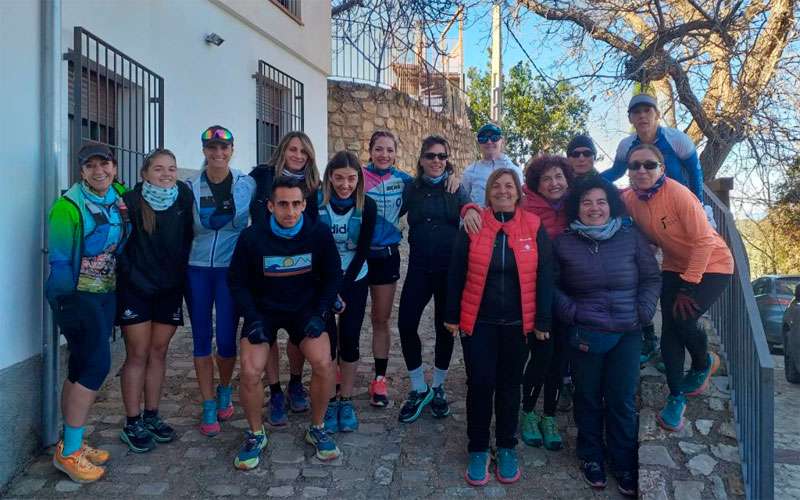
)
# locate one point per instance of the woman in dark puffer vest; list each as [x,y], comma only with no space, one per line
[608,288]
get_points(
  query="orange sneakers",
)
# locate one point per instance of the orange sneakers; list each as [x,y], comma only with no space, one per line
[95,455]
[77,465]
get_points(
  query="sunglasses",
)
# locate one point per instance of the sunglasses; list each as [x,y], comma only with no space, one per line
[634,166]
[578,154]
[222,134]
[432,156]
[483,139]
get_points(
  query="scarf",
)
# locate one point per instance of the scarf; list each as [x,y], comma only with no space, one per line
[375,170]
[434,181]
[343,204]
[106,200]
[597,233]
[285,232]
[158,197]
[647,194]
[300,176]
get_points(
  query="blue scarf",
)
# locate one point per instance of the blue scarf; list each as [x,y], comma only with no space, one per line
[106,200]
[158,197]
[597,233]
[284,232]
[343,204]
[647,194]
[435,180]
[372,168]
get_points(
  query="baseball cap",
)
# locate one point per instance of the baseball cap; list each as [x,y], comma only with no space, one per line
[490,129]
[640,99]
[216,133]
[92,149]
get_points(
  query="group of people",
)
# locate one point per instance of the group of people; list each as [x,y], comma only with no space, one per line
[544,275]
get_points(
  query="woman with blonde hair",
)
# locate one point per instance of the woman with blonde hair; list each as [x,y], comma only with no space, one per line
[294,157]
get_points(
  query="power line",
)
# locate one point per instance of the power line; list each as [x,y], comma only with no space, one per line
[544,77]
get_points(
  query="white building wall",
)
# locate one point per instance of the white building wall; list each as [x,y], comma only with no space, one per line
[204,85]
[20,162]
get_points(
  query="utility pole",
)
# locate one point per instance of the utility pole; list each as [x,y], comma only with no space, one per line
[497,65]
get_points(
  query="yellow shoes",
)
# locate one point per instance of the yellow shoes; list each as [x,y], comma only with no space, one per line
[79,466]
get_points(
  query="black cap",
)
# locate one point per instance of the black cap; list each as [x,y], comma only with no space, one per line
[581,141]
[218,134]
[92,149]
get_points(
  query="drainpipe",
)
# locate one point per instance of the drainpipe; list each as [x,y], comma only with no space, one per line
[50,81]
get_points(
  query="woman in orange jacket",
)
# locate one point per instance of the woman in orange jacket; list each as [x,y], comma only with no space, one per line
[696,270]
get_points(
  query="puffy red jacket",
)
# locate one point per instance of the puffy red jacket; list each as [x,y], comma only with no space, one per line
[554,221]
[521,232]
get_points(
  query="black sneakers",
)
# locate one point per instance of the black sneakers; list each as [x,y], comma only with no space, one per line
[137,437]
[594,475]
[439,406]
[158,429]
[413,406]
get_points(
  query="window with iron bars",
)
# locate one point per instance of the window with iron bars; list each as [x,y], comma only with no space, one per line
[291,7]
[119,102]
[279,108]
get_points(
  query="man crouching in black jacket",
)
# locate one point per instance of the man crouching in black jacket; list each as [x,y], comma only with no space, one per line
[285,274]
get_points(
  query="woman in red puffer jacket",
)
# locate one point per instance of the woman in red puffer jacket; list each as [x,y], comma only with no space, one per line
[548,180]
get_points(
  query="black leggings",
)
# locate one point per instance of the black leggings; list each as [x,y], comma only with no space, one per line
[417,291]
[346,336]
[546,368]
[493,356]
[678,335]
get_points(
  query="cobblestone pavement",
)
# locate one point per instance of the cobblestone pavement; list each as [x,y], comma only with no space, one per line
[787,437]
[383,459]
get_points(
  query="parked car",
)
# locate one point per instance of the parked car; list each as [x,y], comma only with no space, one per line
[791,339]
[773,294]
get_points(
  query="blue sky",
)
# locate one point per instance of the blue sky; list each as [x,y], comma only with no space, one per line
[607,123]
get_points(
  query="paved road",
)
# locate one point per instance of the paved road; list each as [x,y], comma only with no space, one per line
[384,459]
[787,435]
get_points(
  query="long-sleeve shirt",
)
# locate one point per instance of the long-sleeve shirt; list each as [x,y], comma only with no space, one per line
[680,159]
[674,220]
[269,273]
[475,176]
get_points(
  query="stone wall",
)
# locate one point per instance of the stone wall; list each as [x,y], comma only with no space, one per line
[356,110]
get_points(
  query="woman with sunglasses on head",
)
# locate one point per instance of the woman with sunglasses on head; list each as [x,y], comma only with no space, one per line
[548,180]
[608,288]
[152,277]
[88,228]
[433,220]
[351,217]
[500,290]
[293,157]
[696,269]
[221,197]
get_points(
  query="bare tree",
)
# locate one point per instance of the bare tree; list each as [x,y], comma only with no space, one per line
[725,62]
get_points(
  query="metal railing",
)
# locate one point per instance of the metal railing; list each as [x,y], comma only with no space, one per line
[369,54]
[113,100]
[750,365]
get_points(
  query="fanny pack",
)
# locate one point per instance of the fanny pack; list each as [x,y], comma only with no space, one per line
[593,341]
[382,252]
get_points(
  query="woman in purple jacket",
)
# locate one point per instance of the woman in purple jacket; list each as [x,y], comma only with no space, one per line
[608,288]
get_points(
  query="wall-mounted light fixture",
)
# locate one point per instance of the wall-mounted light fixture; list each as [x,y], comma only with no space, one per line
[214,39]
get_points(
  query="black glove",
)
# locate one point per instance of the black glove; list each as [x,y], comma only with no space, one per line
[314,327]
[338,305]
[257,334]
